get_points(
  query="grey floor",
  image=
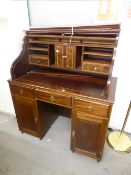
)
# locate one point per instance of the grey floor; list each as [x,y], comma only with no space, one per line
[22,154]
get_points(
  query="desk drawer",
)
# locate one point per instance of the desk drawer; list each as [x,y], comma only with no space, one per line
[22,91]
[53,98]
[39,61]
[90,107]
[96,67]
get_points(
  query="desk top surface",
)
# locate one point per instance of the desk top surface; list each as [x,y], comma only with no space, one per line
[83,86]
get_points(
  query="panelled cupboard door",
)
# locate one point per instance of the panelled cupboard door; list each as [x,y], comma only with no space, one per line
[26,115]
[59,51]
[88,134]
[70,54]
[64,56]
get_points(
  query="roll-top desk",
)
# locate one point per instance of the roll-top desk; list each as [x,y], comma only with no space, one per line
[66,71]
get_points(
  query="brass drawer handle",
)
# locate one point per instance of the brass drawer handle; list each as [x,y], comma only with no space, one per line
[57,51]
[38,61]
[64,56]
[21,92]
[52,98]
[90,108]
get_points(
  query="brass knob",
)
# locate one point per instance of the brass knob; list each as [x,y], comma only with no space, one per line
[21,92]
[64,56]
[73,133]
[57,51]
[35,120]
[52,98]
[90,108]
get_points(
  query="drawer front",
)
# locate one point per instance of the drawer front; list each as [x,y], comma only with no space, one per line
[90,107]
[39,61]
[53,98]
[22,91]
[96,68]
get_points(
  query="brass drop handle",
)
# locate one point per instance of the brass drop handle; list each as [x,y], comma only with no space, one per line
[52,98]
[57,50]
[64,56]
[90,108]
[38,61]
[21,92]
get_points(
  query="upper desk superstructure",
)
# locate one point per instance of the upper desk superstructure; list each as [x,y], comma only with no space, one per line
[67,70]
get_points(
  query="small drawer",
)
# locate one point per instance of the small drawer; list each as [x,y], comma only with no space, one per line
[22,91]
[91,107]
[39,61]
[53,98]
[98,68]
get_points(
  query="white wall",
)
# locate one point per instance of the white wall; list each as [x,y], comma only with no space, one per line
[61,13]
[68,13]
[122,70]
[11,34]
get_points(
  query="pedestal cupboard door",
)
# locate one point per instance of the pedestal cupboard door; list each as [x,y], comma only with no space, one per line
[88,134]
[26,115]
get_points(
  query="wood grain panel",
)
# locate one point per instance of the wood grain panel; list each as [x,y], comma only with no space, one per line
[88,134]
[26,115]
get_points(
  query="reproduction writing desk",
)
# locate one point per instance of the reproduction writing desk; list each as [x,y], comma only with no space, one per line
[66,71]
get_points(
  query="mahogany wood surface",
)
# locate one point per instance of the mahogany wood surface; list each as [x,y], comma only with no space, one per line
[67,71]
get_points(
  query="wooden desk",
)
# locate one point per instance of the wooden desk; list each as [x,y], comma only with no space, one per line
[41,92]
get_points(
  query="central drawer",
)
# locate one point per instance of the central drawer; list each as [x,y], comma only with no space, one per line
[56,98]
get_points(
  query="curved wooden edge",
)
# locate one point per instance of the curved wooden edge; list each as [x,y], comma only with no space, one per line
[21,65]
